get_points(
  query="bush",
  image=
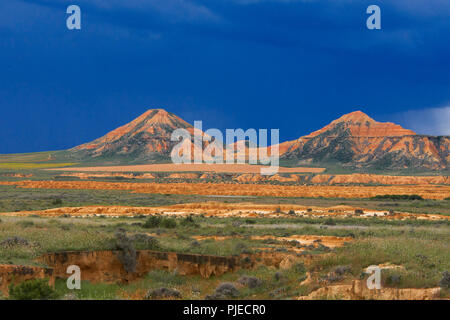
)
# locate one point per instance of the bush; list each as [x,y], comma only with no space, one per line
[195,244]
[152,222]
[37,289]
[445,281]
[393,280]
[57,202]
[337,274]
[162,293]
[168,223]
[240,248]
[127,252]
[397,197]
[329,222]
[14,241]
[225,290]
[156,222]
[188,222]
[145,241]
[251,282]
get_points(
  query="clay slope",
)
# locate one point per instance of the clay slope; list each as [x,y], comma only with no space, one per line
[356,140]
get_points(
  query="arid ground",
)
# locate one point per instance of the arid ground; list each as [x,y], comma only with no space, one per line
[215,235]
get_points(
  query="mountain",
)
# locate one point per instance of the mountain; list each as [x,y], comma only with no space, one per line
[356,140]
[146,137]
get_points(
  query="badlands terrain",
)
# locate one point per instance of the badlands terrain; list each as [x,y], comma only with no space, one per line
[147,230]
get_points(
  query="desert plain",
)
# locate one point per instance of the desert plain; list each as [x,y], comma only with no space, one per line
[224,235]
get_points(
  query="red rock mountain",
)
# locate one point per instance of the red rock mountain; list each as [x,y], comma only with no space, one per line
[361,125]
[356,140]
[353,140]
[146,137]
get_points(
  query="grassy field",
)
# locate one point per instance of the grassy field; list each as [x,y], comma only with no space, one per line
[32,165]
[420,247]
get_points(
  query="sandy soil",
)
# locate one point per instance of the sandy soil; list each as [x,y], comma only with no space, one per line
[426,191]
[329,241]
[231,168]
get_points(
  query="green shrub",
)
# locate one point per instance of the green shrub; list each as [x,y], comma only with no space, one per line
[127,252]
[37,289]
[188,222]
[57,202]
[168,223]
[144,241]
[152,222]
[397,197]
[329,222]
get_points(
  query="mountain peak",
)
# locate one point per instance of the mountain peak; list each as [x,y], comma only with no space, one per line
[148,133]
[158,111]
[361,125]
[356,117]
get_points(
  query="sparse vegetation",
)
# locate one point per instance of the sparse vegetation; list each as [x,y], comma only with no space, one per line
[37,289]
[127,252]
[398,197]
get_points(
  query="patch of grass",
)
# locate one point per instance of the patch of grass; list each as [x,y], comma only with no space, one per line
[89,291]
[398,197]
[32,165]
[36,289]
[423,259]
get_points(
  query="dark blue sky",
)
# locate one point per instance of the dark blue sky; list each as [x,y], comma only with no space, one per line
[287,64]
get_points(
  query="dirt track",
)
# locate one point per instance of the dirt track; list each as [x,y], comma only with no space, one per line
[426,191]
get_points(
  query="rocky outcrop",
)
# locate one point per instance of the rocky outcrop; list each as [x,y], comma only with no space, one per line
[106,266]
[280,178]
[87,176]
[250,177]
[359,178]
[183,176]
[16,274]
[358,290]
